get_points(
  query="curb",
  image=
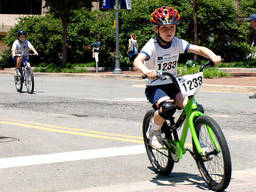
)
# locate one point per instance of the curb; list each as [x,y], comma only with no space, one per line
[238,70]
[91,75]
[229,88]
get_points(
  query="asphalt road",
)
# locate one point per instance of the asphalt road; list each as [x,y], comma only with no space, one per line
[84,134]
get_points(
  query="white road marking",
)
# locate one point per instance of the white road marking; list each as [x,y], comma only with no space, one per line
[139,85]
[135,99]
[71,156]
[126,99]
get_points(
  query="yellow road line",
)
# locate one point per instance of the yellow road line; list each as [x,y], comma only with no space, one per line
[83,130]
[70,132]
[75,131]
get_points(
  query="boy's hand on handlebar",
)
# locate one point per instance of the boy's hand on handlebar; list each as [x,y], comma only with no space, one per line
[151,74]
[216,60]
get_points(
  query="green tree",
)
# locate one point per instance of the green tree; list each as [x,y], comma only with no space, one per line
[45,34]
[221,27]
[64,9]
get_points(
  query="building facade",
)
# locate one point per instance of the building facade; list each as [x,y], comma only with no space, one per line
[11,10]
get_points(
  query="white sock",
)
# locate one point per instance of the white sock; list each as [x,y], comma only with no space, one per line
[155,127]
[17,71]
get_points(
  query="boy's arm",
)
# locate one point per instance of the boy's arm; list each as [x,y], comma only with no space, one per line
[31,47]
[13,53]
[14,49]
[205,52]
[129,46]
[139,64]
[34,51]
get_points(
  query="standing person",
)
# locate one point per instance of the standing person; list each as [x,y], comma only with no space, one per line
[252,20]
[96,52]
[21,47]
[162,53]
[132,48]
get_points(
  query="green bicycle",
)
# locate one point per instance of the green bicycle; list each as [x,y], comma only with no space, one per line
[209,147]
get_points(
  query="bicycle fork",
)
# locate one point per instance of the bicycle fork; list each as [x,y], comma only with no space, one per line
[179,144]
[190,124]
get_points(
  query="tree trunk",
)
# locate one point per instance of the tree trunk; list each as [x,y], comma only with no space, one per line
[64,21]
[195,8]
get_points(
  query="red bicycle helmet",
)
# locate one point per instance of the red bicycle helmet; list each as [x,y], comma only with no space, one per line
[165,15]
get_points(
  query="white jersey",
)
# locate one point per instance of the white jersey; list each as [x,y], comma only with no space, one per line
[22,47]
[163,58]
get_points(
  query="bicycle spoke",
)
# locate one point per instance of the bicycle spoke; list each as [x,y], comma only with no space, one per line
[29,81]
[214,166]
[159,158]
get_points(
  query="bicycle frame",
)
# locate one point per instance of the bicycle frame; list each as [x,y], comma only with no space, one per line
[192,112]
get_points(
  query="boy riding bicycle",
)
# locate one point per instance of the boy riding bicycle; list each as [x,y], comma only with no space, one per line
[162,53]
[21,47]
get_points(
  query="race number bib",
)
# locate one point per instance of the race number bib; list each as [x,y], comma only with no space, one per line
[168,63]
[190,84]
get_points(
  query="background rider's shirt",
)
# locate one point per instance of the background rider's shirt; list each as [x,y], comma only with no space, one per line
[22,47]
[163,58]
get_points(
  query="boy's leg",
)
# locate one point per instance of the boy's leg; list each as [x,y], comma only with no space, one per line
[157,96]
[18,63]
[154,131]
[181,101]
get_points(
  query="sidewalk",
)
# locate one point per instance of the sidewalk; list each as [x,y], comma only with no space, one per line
[242,81]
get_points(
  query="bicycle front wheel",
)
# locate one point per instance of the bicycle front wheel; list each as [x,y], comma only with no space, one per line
[29,80]
[18,83]
[159,158]
[215,163]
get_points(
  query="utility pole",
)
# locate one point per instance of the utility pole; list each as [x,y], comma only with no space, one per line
[117,69]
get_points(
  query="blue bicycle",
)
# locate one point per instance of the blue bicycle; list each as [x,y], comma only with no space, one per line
[26,76]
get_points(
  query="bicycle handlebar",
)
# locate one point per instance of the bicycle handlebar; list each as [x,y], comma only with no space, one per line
[206,64]
[23,55]
[162,73]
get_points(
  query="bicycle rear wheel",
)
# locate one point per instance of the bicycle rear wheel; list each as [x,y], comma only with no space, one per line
[29,80]
[18,83]
[215,166]
[160,159]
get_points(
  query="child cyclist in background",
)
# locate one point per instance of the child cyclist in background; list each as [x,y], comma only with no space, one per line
[162,53]
[21,47]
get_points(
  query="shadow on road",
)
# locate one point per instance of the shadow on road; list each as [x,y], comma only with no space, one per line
[4,139]
[174,179]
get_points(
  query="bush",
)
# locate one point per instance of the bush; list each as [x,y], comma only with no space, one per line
[44,32]
[208,72]
[246,63]
[6,60]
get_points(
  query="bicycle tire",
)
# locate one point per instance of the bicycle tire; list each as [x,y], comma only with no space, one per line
[162,164]
[18,83]
[29,81]
[215,169]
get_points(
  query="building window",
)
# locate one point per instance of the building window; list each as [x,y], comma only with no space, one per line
[20,7]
